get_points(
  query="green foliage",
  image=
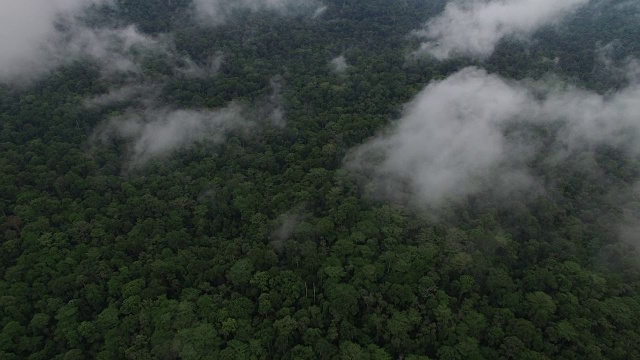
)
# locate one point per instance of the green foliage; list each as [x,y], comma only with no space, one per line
[189,256]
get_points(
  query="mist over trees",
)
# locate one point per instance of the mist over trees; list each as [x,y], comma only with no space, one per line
[299,179]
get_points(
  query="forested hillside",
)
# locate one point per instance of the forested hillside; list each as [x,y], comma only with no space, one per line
[208,188]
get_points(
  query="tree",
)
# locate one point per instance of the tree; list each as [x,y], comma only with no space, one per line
[241,272]
[541,307]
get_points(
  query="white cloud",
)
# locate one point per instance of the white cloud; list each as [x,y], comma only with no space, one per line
[450,139]
[217,12]
[475,27]
[190,69]
[319,11]
[457,138]
[153,130]
[111,48]
[614,68]
[339,64]
[595,119]
[157,132]
[26,26]
[145,94]
[38,36]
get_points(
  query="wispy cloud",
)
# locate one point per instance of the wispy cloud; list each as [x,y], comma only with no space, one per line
[217,12]
[154,130]
[145,94]
[38,36]
[339,64]
[319,11]
[154,133]
[27,27]
[474,27]
[467,134]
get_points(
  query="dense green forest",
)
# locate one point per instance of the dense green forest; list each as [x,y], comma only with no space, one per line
[265,245]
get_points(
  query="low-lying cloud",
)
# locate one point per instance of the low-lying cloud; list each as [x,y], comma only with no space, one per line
[474,28]
[157,132]
[152,130]
[143,94]
[27,27]
[217,12]
[38,36]
[450,140]
[629,225]
[319,11]
[464,135]
[112,49]
[339,64]
[613,64]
